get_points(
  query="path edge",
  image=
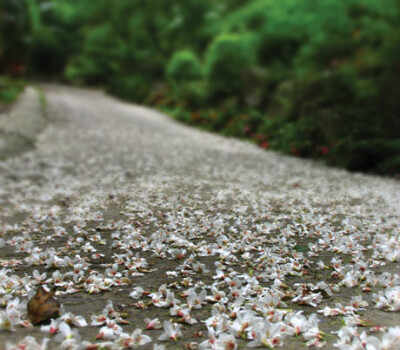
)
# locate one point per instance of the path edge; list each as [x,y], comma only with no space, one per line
[21,125]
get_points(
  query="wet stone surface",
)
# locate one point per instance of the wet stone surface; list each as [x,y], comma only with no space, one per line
[134,217]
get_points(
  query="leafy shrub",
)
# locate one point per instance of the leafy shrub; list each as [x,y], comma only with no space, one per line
[130,88]
[10,89]
[81,70]
[278,47]
[226,59]
[101,57]
[378,155]
[184,73]
[183,66]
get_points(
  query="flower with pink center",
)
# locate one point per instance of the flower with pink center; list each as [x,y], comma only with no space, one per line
[28,342]
[153,324]
[225,341]
[172,331]
[266,334]
[195,300]
[126,341]
[244,320]
[53,327]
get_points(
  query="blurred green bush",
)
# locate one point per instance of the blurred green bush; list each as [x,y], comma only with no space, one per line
[9,90]
[100,58]
[184,66]
[226,59]
[185,73]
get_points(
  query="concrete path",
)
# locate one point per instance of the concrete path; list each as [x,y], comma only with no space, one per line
[137,181]
[20,126]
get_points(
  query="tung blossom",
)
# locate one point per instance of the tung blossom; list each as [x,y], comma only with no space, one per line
[172,331]
[153,324]
[30,343]
[266,334]
[126,341]
[390,299]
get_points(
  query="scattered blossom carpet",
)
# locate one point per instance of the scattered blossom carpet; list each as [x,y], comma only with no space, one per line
[159,236]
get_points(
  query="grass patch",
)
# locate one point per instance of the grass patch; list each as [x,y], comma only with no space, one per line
[10,90]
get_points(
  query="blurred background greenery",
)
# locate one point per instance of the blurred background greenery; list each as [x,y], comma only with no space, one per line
[313,78]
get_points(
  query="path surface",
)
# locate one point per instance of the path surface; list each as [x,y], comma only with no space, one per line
[20,124]
[119,180]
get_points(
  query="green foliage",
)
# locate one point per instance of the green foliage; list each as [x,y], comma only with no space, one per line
[81,70]
[227,57]
[10,90]
[184,66]
[137,88]
[100,59]
[14,31]
[381,155]
[184,73]
[313,78]
[48,53]
[33,9]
